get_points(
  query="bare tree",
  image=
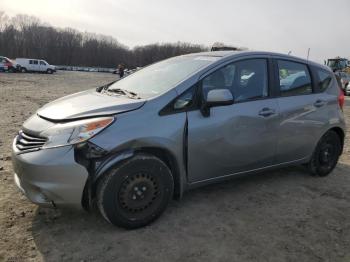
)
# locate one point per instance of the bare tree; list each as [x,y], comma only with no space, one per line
[27,36]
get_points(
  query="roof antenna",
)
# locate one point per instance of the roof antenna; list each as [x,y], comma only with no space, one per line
[289,52]
[308,54]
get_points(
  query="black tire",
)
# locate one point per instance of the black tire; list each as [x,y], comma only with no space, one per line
[326,155]
[136,192]
[49,71]
[23,70]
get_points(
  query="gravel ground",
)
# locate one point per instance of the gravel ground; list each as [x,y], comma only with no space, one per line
[285,215]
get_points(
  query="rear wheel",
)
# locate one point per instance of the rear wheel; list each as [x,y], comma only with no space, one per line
[23,70]
[136,192]
[326,154]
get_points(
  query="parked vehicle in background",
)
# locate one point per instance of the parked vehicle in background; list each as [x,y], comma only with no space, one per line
[34,65]
[339,64]
[347,90]
[217,46]
[345,80]
[7,64]
[126,71]
[134,144]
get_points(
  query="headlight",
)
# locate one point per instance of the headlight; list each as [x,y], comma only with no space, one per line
[75,132]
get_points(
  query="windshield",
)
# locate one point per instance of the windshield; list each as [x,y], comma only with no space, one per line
[160,77]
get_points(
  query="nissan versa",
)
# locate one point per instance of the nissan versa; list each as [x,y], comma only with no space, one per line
[133,145]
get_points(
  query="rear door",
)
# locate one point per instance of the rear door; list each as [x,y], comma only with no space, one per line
[239,137]
[34,65]
[300,107]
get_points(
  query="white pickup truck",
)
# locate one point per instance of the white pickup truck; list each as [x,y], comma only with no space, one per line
[34,65]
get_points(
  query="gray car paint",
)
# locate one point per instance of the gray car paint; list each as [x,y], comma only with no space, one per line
[50,175]
[88,104]
[238,132]
[234,139]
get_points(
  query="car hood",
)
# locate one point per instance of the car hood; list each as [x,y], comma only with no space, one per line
[88,104]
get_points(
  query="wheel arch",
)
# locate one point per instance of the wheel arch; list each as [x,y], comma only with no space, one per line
[163,154]
[340,132]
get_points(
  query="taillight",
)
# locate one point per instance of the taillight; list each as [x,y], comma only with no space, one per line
[341,99]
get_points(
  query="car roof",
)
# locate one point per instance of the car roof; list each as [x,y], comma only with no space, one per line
[233,54]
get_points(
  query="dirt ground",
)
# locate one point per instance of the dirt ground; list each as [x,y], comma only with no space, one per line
[285,215]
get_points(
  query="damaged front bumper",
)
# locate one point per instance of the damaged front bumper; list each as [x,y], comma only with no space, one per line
[50,176]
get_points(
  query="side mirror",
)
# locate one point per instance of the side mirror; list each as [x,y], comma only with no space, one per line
[216,97]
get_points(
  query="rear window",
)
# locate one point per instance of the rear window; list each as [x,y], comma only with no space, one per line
[294,78]
[325,79]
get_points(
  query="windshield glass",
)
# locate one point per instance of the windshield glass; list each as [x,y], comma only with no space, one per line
[160,77]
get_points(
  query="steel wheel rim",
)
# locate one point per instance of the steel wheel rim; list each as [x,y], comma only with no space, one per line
[138,193]
[327,155]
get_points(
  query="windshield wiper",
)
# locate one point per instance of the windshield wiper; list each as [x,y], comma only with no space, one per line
[104,87]
[125,92]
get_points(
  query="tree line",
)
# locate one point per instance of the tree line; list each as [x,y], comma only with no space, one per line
[28,37]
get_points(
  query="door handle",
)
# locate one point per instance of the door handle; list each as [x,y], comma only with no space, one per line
[265,112]
[319,103]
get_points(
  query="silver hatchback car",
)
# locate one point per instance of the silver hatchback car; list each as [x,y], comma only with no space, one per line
[133,145]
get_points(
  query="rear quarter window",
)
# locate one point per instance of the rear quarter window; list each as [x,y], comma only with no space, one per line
[324,79]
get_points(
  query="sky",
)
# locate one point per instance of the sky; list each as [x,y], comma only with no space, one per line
[270,25]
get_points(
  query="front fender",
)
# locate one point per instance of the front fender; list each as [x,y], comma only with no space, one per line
[111,161]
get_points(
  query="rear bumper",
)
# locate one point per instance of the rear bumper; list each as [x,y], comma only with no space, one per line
[50,176]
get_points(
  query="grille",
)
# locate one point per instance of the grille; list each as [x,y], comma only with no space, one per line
[26,142]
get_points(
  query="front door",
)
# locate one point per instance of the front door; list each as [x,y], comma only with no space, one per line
[234,138]
[43,66]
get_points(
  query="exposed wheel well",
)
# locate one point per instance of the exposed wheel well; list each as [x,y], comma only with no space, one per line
[90,188]
[341,135]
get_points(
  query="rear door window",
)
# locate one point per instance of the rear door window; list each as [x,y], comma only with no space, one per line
[35,62]
[294,78]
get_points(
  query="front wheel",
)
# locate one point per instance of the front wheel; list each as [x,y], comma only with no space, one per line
[23,70]
[136,192]
[326,155]
[49,71]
